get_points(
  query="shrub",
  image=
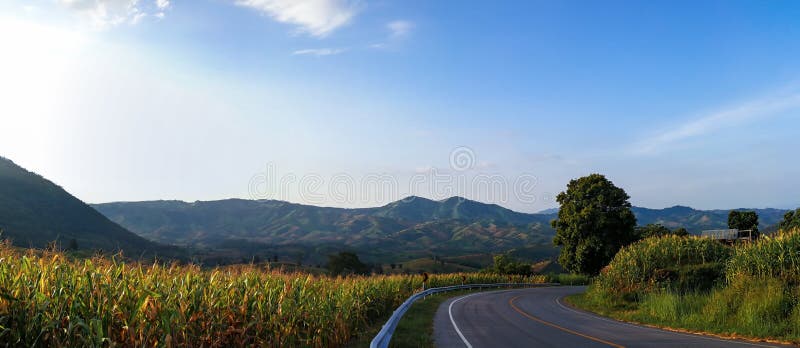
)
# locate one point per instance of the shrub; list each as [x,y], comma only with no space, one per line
[568,279]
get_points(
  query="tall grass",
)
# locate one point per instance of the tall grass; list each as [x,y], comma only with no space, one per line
[758,294]
[777,257]
[647,264]
[48,300]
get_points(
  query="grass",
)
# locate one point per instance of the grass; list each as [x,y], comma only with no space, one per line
[416,327]
[48,299]
[756,293]
[568,279]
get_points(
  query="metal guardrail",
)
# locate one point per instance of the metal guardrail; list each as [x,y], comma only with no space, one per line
[383,337]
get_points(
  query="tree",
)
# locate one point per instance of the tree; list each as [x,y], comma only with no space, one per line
[744,220]
[73,244]
[346,263]
[504,264]
[791,221]
[681,232]
[595,220]
[652,230]
[658,230]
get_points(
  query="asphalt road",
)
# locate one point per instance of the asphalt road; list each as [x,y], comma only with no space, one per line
[537,317]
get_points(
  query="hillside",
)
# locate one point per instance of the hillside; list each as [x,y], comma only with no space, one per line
[406,229]
[698,220]
[410,228]
[35,212]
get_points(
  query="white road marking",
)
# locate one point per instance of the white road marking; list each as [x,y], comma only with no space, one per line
[450,311]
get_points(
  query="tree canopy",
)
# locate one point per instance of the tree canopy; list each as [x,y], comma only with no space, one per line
[346,263]
[659,230]
[743,220]
[505,264]
[595,220]
[791,220]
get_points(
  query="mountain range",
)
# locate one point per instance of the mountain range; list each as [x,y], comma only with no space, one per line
[409,228]
[34,212]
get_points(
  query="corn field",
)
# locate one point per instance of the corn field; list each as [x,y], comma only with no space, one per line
[636,267]
[777,257]
[49,300]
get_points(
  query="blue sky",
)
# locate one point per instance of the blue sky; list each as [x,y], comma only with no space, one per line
[693,103]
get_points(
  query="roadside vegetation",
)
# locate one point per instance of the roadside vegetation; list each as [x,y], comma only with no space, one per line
[746,290]
[655,275]
[416,327]
[48,299]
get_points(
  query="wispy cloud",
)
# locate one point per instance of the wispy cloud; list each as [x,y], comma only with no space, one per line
[103,14]
[318,51]
[315,17]
[719,120]
[400,28]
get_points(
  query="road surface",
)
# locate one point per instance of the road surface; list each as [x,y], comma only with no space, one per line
[537,317]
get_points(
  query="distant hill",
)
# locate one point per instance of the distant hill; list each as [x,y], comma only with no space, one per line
[698,220]
[35,212]
[409,228]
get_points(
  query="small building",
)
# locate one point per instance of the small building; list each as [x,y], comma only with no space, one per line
[728,236]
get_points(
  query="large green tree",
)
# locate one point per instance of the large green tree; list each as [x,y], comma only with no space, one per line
[505,264]
[346,263]
[594,222]
[659,230]
[791,220]
[744,220]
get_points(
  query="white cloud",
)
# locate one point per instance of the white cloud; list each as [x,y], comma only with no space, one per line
[319,51]
[400,28]
[316,17]
[104,14]
[719,120]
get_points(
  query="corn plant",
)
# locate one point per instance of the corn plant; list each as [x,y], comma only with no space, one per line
[49,300]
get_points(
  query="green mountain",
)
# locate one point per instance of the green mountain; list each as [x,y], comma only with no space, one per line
[412,227]
[409,228]
[420,209]
[698,220]
[35,212]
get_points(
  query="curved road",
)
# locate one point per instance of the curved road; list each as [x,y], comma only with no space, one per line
[537,317]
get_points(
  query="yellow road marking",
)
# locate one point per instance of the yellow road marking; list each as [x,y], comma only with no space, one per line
[520,311]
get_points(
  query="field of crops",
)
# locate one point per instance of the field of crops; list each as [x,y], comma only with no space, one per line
[49,300]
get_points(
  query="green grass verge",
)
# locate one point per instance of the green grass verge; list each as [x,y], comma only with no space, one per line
[416,327]
[758,317]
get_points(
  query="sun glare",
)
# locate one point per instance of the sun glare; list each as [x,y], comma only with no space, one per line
[35,66]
